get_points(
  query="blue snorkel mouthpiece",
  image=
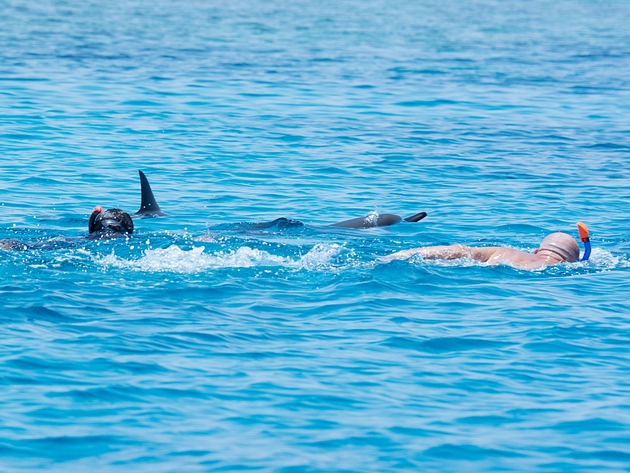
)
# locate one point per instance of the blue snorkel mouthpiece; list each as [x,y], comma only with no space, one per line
[585,239]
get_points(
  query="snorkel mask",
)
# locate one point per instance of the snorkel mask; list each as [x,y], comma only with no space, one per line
[111,221]
[584,238]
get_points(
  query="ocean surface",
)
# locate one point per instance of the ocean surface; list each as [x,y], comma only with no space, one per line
[207,342]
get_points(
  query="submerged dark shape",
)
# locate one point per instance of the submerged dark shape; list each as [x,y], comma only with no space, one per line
[281,223]
[148,205]
[377,220]
[13,245]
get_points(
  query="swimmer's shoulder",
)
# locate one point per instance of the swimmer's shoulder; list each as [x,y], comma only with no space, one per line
[517,258]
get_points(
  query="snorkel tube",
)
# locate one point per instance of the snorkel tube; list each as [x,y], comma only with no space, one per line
[97,210]
[584,238]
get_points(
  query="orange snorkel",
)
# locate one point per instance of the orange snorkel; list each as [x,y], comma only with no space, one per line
[584,238]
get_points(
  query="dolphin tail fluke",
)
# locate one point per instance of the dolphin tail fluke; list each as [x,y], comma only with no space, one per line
[416,218]
[148,206]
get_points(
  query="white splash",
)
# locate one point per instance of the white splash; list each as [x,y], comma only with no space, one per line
[605,259]
[372,218]
[174,259]
[320,256]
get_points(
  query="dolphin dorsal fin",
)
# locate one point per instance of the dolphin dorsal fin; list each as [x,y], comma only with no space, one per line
[148,205]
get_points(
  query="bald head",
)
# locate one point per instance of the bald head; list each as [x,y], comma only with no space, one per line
[563,245]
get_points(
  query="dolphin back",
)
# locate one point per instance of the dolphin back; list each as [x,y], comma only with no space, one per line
[369,221]
[382,220]
[148,206]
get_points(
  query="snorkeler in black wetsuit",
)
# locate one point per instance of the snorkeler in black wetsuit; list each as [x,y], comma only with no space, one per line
[102,225]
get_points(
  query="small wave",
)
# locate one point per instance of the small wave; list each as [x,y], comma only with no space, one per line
[468,452]
[442,344]
[603,259]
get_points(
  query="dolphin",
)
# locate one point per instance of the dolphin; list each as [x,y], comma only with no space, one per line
[368,221]
[377,220]
[150,208]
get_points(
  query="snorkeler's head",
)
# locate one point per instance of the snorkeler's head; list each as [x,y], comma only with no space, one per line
[110,221]
[562,245]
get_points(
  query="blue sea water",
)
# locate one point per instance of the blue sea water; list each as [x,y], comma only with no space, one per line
[206,344]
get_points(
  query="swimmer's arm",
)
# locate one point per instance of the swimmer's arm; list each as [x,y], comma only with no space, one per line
[444,253]
[400,255]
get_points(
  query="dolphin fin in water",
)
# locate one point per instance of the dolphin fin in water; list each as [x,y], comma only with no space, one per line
[148,206]
[377,220]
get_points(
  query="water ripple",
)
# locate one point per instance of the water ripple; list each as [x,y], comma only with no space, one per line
[241,332]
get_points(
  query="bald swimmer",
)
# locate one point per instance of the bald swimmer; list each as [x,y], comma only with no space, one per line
[556,248]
